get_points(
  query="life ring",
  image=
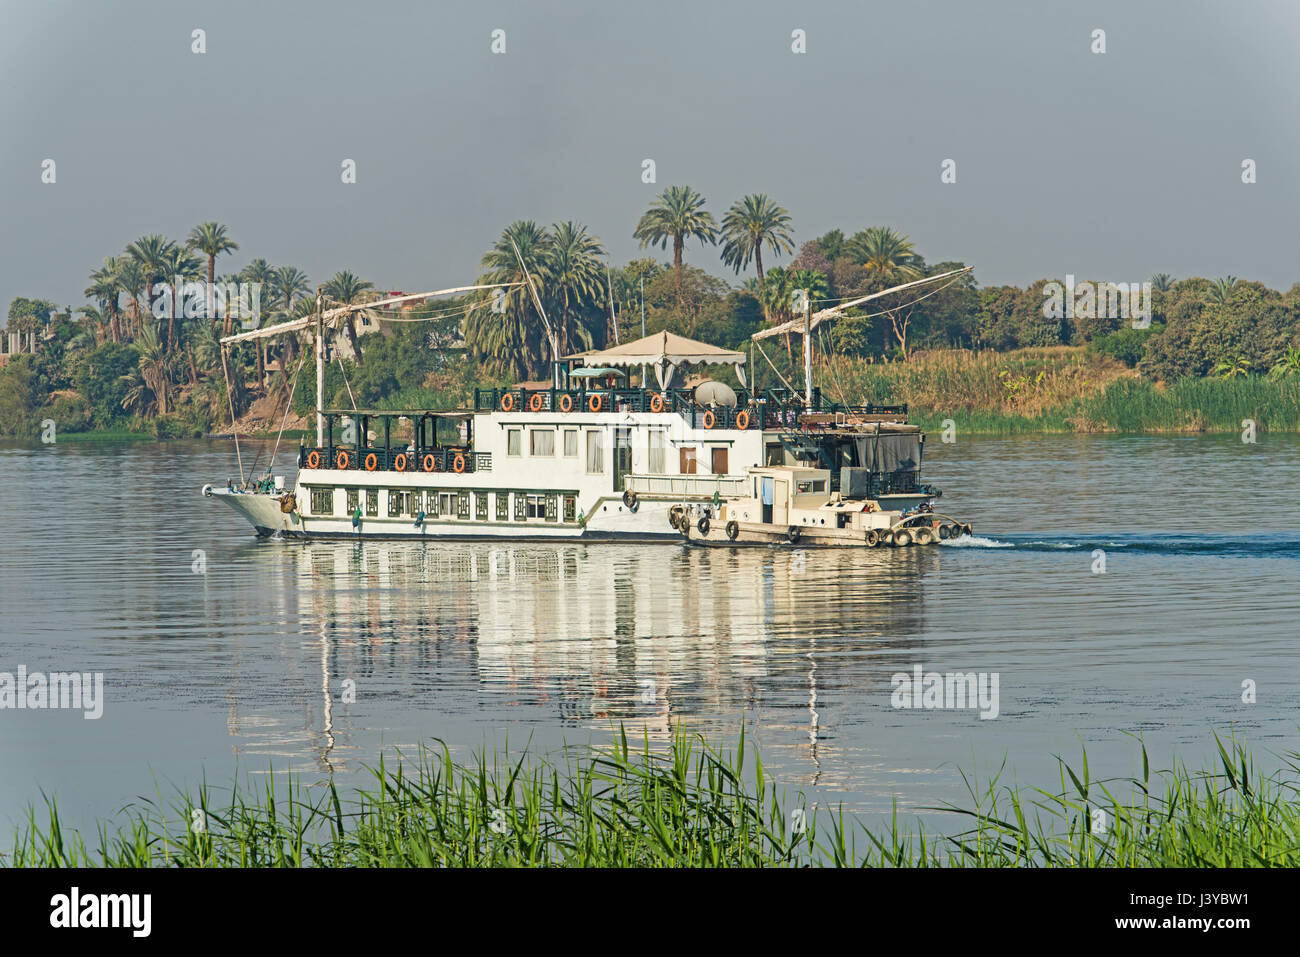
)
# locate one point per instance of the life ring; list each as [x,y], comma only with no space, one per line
[535,402]
[399,463]
[733,529]
[566,403]
[313,459]
[629,499]
[341,460]
[428,461]
[792,534]
[507,402]
[656,402]
[709,419]
[458,463]
[372,462]
[703,525]
[595,402]
[742,420]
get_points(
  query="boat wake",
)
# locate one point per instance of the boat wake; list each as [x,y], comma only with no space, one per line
[1265,544]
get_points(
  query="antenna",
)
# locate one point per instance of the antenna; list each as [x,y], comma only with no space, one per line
[550,333]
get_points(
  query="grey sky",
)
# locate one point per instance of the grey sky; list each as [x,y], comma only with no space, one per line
[1108,166]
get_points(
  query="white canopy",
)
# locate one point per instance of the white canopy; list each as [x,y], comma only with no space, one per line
[667,352]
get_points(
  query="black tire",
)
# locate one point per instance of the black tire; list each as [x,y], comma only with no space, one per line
[703,525]
[966,530]
[873,538]
[792,534]
[887,538]
[925,535]
[944,532]
[902,538]
[733,530]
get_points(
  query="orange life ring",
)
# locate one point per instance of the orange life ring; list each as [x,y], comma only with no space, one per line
[566,403]
[313,459]
[656,403]
[428,461]
[372,461]
[399,463]
[709,419]
[595,402]
[507,402]
[341,460]
[742,420]
[458,463]
[535,402]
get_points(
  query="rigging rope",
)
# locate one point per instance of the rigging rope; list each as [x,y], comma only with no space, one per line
[233,430]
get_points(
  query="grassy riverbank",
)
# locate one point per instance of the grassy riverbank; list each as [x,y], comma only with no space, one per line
[620,807]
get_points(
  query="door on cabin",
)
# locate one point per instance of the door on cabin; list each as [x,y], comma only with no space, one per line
[719,461]
[767,499]
[622,456]
[780,497]
[687,461]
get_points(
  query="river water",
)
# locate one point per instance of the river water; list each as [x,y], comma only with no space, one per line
[222,654]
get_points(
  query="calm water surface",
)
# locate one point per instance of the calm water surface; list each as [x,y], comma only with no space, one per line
[242,666]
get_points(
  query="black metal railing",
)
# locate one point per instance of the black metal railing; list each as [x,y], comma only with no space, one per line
[372,459]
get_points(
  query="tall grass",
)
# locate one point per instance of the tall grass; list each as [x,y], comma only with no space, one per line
[1059,389]
[694,806]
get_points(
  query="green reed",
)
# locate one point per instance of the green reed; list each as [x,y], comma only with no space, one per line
[693,806]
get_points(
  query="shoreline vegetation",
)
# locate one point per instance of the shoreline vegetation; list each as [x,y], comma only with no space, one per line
[693,806]
[143,356]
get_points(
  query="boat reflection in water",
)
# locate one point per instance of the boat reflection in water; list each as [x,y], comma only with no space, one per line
[493,636]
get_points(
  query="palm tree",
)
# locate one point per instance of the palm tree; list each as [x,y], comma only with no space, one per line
[887,255]
[211,240]
[130,279]
[287,284]
[509,333]
[180,265]
[346,290]
[99,319]
[1287,366]
[677,214]
[1162,282]
[105,287]
[1221,289]
[577,272]
[151,254]
[259,271]
[149,385]
[751,222]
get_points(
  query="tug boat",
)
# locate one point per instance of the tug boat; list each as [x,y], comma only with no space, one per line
[794,505]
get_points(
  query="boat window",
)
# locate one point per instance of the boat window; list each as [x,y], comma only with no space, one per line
[447,504]
[819,485]
[322,501]
[396,503]
[541,442]
[658,463]
[503,506]
[804,487]
[596,451]
[552,507]
[462,505]
[536,506]
[775,454]
[521,507]
[512,441]
[570,508]
[571,443]
[481,506]
[354,500]
[372,501]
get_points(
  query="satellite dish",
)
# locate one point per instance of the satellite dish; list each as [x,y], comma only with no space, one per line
[715,393]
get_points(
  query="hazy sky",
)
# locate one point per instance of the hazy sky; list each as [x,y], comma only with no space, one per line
[1111,166]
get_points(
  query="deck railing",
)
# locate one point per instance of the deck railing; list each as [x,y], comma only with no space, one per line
[695,486]
[371,459]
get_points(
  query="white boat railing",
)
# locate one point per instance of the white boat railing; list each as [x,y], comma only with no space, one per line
[694,486]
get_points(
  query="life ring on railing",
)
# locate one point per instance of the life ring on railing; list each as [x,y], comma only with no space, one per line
[595,402]
[566,403]
[372,462]
[458,463]
[535,402]
[709,419]
[742,420]
[507,402]
[399,462]
[313,459]
[341,460]
[428,461]
[656,402]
